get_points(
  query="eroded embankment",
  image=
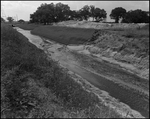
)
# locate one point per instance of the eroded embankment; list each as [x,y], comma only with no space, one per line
[126,44]
[127,47]
[58,52]
[128,69]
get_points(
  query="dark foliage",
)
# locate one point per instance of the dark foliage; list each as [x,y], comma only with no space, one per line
[136,16]
[48,13]
[117,14]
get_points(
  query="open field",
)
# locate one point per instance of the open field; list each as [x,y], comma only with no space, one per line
[34,87]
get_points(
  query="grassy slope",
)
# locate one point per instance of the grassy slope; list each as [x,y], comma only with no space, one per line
[134,41]
[64,35]
[32,86]
[68,35]
[131,32]
[26,26]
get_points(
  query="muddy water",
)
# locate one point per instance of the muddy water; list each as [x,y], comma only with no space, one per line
[134,100]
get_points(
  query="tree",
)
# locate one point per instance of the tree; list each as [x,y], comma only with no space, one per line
[48,13]
[73,15]
[99,14]
[21,21]
[117,14]
[10,19]
[44,14]
[85,12]
[61,12]
[2,19]
[92,11]
[78,15]
[34,18]
[136,16]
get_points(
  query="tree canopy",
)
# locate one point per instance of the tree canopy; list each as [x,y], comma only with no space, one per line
[99,14]
[10,19]
[48,13]
[21,21]
[85,12]
[117,14]
[136,16]
[2,19]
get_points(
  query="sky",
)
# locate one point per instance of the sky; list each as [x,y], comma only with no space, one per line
[23,9]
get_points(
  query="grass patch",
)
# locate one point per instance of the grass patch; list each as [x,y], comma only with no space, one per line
[131,32]
[64,35]
[136,33]
[26,26]
[26,73]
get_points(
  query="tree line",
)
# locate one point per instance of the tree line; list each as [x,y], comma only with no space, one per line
[49,13]
[132,16]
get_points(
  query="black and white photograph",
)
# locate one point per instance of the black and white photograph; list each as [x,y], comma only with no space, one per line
[75,59]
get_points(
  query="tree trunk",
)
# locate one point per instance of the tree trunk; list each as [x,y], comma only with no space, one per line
[117,20]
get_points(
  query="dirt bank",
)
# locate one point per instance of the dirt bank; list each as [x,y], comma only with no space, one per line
[123,44]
